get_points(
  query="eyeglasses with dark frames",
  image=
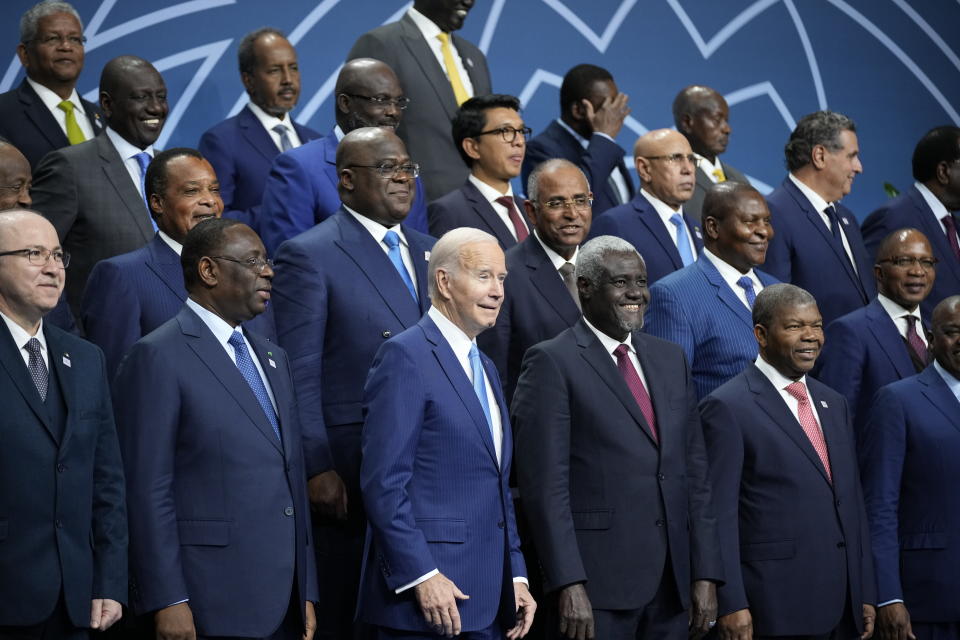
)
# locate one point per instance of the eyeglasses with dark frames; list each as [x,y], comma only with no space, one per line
[580,203]
[40,257]
[508,134]
[257,265]
[382,102]
[676,158]
[392,170]
[908,262]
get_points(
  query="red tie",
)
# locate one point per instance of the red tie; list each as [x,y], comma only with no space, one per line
[518,225]
[635,384]
[810,425]
[951,226]
[913,339]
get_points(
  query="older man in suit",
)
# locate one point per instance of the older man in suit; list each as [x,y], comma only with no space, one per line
[45,112]
[611,467]
[220,539]
[909,449]
[63,556]
[15,178]
[437,450]
[93,192]
[793,530]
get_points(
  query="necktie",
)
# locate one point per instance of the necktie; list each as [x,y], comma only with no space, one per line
[37,367]
[249,372]
[913,339]
[635,384]
[459,91]
[480,388]
[809,423]
[569,279]
[719,175]
[683,243]
[143,161]
[74,132]
[518,225]
[747,285]
[285,143]
[951,226]
[392,240]
[831,212]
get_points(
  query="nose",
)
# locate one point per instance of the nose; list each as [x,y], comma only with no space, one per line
[857,165]
[24,199]
[916,269]
[267,272]
[155,105]
[725,128]
[287,77]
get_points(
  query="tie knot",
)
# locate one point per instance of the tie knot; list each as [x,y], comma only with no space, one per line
[911,321]
[391,239]
[474,354]
[677,220]
[948,222]
[236,340]
[506,201]
[621,351]
[280,129]
[32,347]
[567,269]
[746,283]
[443,37]
[143,160]
[798,390]
[66,106]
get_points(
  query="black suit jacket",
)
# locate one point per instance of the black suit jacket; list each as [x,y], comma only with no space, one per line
[466,207]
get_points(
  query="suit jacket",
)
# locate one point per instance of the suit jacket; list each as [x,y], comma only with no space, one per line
[301,191]
[536,307]
[598,160]
[63,522]
[910,474]
[697,309]
[863,352]
[87,194]
[638,223]
[467,207]
[606,503]
[911,210]
[795,546]
[435,495]
[337,297]
[803,252]
[29,126]
[425,127]
[241,152]
[218,504]
[694,206]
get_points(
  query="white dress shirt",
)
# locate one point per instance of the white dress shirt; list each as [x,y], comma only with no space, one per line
[50,100]
[709,167]
[378,231]
[899,316]
[781,382]
[665,212]
[730,275]
[609,344]
[269,122]
[619,180]
[938,208]
[170,242]
[127,152]
[555,258]
[502,212]
[819,204]
[430,31]
[21,338]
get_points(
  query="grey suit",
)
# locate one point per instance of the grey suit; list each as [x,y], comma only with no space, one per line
[86,192]
[693,207]
[425,127]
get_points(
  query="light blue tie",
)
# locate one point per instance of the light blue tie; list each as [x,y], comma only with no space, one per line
[747,285]
[392,240]
[285,143]
[249,372]
[683,243]
[143,161]
[480,388]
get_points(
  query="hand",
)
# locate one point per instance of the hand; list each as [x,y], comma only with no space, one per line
[526,606]
[893,622]
[175,623]
[736,626]
[438,597]
[103,613]
[310,621]
[703,609]
[869,615]
[609,117]
[328,495]
[576,614]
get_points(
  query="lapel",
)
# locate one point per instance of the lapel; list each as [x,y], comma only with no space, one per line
[13,363]
[93,116]
[41,117]
[627,179]
[703,180]
[117,175]
[330,158]
[68,379]
[651,220]
[279,384]
[547,282]
[928,223]
[414,42]
[694,228]
[724,293]
[420,255]
[939,395]
[891,343]
[165,263]
[472,69]
[486,213]
[253,132]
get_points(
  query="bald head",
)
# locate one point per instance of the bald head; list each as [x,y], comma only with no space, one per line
[29,285]
[14,178]
[359,81]
[133,98]
[702,115]
[383,195]
[904,269]
[946,335]
[665,165]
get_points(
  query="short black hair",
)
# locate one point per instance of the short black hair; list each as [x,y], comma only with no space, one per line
[205,239]
[472,117]
[940,144]
[722,198]
[818,128]
[246,58]
[578,82]
[772,298]
[156,178]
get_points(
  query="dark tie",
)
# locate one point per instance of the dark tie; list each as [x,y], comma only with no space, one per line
[831,212]
[518,225]
[913,339]
[809,423]
[635,384]
[392,240]
[143,161]
[37,368]
[569,279]
[285,143]
[951,226]
[747,284]
[249,372]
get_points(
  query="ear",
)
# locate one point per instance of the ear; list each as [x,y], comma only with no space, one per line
[442,280]
[346,179]
[760,333]
[343,103]
[156,204]
[878,273]
[22,55]
[578,111]
[106,104]
[686,123]
[584,288]
[247,81]
[471,148]
[943,173]
[209,271]
[818,156]
[711,227]
[643,168]
[531,210]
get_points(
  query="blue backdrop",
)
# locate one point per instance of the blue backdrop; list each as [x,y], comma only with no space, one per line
[892,65]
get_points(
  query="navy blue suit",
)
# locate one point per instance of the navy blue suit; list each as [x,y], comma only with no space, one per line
[909,449]
[241,152]
[598,161]
[218,504]
[435,495]
[696,309]
[638,223]
[803,252]
[467,207]
[911,210]
[796,547]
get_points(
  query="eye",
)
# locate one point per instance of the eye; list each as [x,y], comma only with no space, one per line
[34,253]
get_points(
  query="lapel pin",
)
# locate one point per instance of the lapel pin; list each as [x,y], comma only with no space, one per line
[823,403]
[845,221]
[469,62]
[66,359]
[426,256]
[696,231]
[272,363]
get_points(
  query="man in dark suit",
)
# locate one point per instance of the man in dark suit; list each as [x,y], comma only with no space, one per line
[793,531]
[884,341]
[342,288]
[45,112]
[438,71]
[301,190]
[702,115]
[14,178]
[655,221]
[909,452]
[63,556]
[705,307]
[611,467]
[220,539]
[592,111]
[931,206]
[437,450]
[491,137]
[818,245]
[93,192]
[242,148]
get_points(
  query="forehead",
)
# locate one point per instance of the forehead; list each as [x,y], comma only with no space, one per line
[669,144]
[623,263]
[564,181]
[601,89]
[139,78]
[849,140]
[711,103]
[60,21]
[189,169]
[750,204]
[12,162]
[241,241]
[947,317]
[27,231]
[913,245]
[270,47]
[501,115]
[482,255]
[386,147]
[379,80]
[796,312]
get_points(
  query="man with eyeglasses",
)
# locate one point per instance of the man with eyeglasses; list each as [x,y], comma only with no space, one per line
[45,112]
[14,177]
[63,556]
[491,138]
[302,188]
[655,221]
[886,340]
[343,288]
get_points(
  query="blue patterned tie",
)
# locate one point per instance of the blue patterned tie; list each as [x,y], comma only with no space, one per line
[480,388]
[392,240]
[37,367]
[143,161]
[747,285]
[683,243]
[249,372]
[285,143]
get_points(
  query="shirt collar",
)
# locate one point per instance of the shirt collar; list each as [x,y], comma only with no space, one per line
[268,121]
[20,335]
[895,311]
[727,271]
[609,344]
[938,208]
[459,341]
[427,27]
[707,166]
[377,230]
[220,328]
[663,209]
[488,192]
[126,149]
[815,198]
[51,99]
[555,258]
[952,383]
[777,379]
[170,242]
[583,141]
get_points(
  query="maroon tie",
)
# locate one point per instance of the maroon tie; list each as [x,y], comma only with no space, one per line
[810,425]
[518,225]
[951,226]
[913,339]
[635,384]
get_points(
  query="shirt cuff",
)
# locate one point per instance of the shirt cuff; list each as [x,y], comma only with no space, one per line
[173,604]
[422,578]
[522,579]
[895,600]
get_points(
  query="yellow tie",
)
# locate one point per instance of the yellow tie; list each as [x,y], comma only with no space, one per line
[718,174]
[459,92]
[74,132]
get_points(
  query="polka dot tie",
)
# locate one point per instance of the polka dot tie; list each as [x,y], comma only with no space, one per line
[37,367]
[810,425]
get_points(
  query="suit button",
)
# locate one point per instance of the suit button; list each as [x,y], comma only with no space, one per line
[841,544]
[659,523]
[386,334]
[60,468]
[501,524]
[661,477]
[838,503]
[59,524]
[288,511]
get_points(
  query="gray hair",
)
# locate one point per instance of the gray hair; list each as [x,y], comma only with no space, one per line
[533,180]
[246,58]
[818,128]
[771,299]
[445,254]
[590,258]
[31,17]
